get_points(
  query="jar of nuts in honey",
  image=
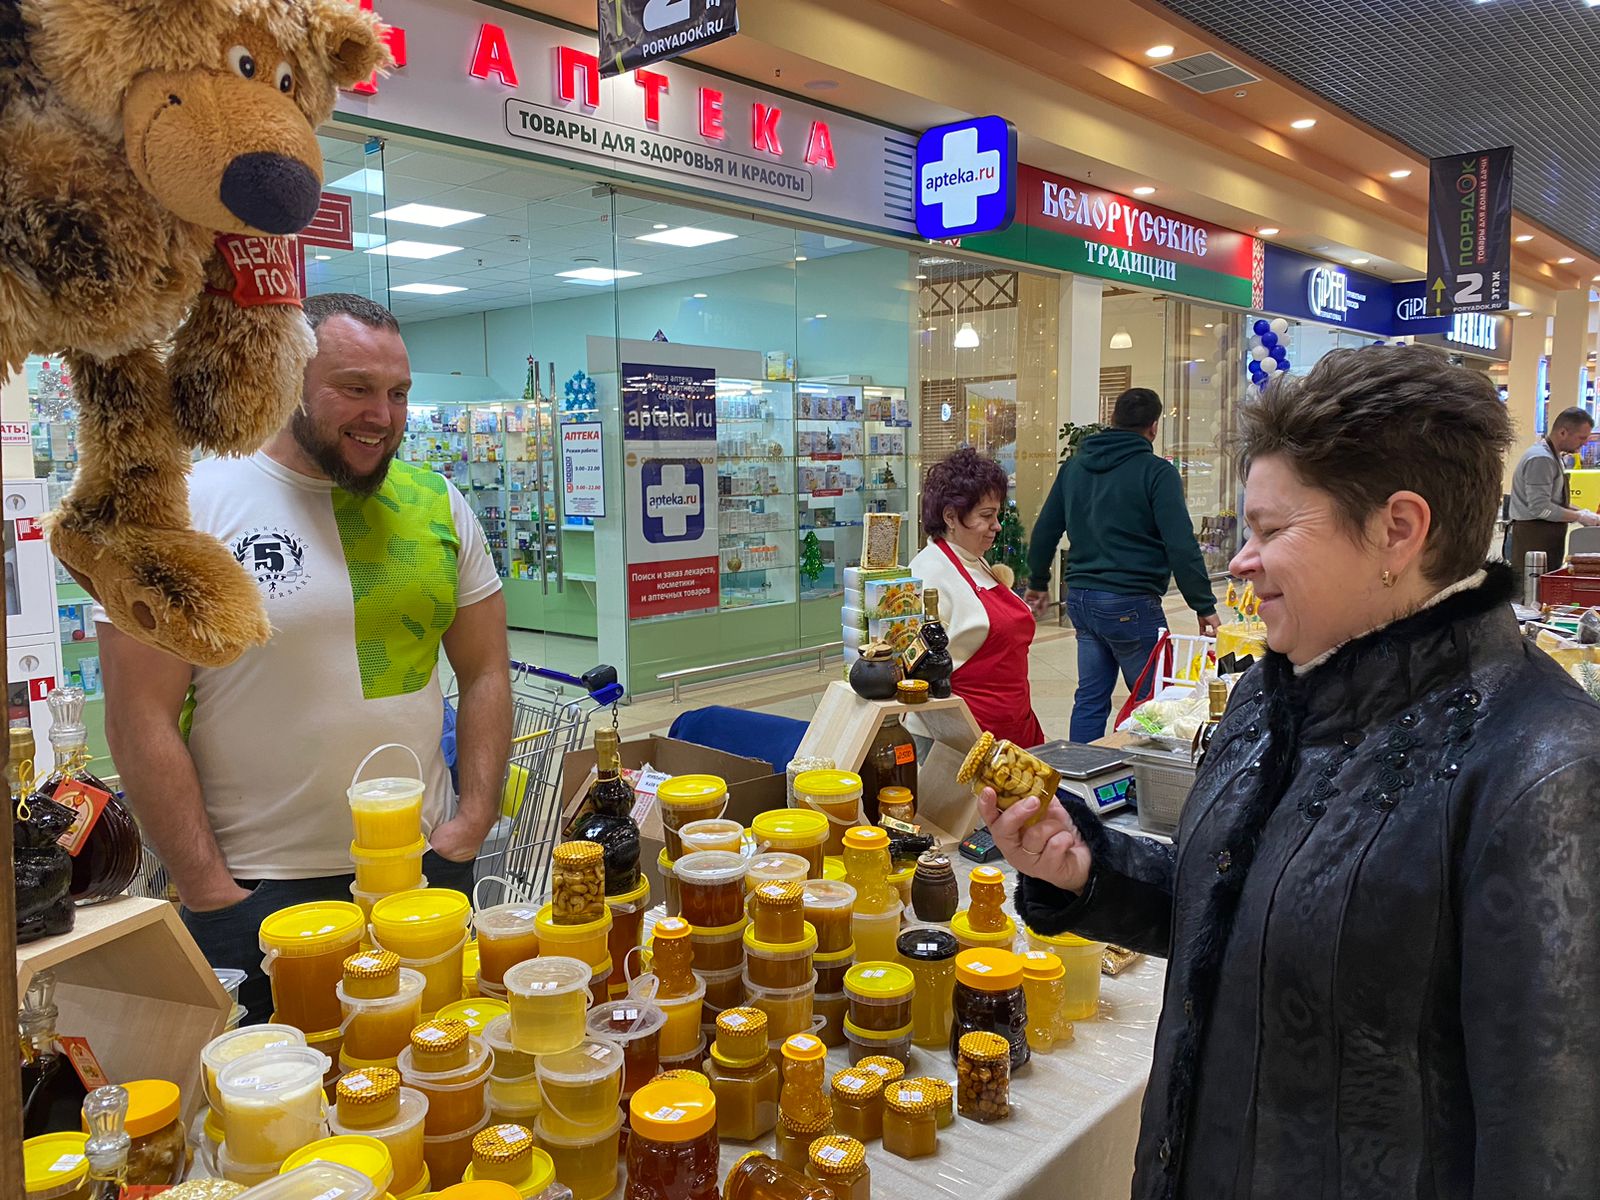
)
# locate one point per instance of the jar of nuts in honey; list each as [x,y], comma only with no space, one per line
[578,884]
[1012,772]
[983,1077]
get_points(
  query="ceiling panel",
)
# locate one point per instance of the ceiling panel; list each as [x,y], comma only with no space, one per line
[1444,76]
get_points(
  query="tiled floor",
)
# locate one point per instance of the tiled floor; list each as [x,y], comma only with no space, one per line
[794,692]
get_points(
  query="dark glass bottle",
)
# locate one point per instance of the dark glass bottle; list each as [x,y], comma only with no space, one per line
[52,1093]
[891,762]
[607,816]
[932,649]
[41,869]
[1217,700]
[105,860]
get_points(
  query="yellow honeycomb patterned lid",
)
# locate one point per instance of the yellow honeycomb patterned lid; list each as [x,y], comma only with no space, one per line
[371,964]
[908,1099]
[439,1037]
[980,750]
[502,1145]
[832,1156]
[984,1047]
[857,1085]
[578,854]
[369,1085]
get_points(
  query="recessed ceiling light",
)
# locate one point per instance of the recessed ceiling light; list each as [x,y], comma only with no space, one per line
[1402,173]
[698,296]
[660,226]
[1523,237]
[800,258]
[1566,259]
[1359,262]
[820,85]
[368,181]
[595,275]
[322,257]
[687,236]
[1144,191]
[427,214]
[1211,325]
[1268,231]
[1161,51]
[1303,123]
[920,276]
[1524,314]
[821,316]
[405,249]
[428,289]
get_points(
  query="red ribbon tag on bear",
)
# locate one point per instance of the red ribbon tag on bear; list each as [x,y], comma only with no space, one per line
[264,269]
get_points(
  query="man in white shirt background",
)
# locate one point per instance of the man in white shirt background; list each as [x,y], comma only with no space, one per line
[368,566]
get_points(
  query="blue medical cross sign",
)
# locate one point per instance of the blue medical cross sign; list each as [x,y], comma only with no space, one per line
[966,178]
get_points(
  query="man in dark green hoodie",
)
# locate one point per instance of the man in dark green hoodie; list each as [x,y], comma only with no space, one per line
[1128,535]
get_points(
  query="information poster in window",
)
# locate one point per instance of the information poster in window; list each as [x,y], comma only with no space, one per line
[669,423]
[583,472]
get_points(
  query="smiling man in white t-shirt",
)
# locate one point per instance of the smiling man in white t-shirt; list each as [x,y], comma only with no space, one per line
[367,567]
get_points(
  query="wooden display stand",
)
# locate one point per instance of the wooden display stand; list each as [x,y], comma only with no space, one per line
[845,725]
[131,980]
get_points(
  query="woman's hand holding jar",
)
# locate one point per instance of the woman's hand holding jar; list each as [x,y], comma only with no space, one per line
[1051,850]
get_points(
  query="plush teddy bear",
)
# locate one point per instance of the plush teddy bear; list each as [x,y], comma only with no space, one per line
[152,156]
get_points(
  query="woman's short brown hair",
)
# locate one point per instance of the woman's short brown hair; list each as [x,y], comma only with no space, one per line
[1365,424]
[960,482]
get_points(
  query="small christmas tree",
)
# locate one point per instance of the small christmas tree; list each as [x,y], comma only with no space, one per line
[1011,543]
[811,564]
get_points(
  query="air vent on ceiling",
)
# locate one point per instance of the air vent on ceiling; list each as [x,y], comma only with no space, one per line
[1207,73]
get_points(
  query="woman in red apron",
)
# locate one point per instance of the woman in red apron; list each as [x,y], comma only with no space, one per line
[991,628]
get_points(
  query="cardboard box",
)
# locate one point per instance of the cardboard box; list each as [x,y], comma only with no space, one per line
[752,788]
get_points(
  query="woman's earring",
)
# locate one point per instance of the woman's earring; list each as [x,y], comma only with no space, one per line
[1388,578]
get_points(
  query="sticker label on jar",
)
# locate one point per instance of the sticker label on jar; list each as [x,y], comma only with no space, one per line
[873,974]
[512,1134]
[668,1116]
[852,1081]
[881,1071]
[927,947]
[357,1080]
[429,1033]
[599,1051]
[524,914]
[911,1097]
[980,968]
[804,1042]
[905,754]
[735,1020]
[365,962]
[831,1154]
[87,803]
[333,1193]
[66,1162]
[628,1014]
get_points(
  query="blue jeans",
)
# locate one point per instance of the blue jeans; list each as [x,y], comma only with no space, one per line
[229,937]
[1113,632]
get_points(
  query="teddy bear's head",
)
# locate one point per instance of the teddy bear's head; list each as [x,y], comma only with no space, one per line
[216,102]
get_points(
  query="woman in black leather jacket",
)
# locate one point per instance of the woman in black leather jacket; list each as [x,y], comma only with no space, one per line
[1382,909]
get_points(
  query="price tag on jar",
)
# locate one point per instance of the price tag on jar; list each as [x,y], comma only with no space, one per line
[735,1020]
[668,1116]
[980,968]
[831,1154]
[65,1163]
[513,1134]
[873,974]
[911,1097]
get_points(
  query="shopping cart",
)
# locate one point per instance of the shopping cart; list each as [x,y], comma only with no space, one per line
[547,725]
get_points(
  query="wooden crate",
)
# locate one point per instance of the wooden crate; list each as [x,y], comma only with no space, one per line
[131,980]
[845,725]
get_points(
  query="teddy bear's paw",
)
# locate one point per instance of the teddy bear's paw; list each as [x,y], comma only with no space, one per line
[177,590]
[227,415]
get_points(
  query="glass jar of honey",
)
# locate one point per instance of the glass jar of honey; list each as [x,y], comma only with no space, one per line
[795,1138]
[944,1098]
[368,1098]
[897,804]
[841,1163]
[757,1176]
[673,1153]
[439,1046]
[371,975]
[743,1076]
[910,1125]
[890,1070]
[1011,771]
[503,1154]
[857,1099]
[778,912]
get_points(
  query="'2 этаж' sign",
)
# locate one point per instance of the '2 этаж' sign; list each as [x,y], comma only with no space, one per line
[1469,232]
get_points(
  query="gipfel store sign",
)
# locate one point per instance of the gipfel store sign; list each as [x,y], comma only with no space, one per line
[1077,227]
[483,74]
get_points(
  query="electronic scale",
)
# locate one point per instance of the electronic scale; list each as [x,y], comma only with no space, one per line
[1097,775]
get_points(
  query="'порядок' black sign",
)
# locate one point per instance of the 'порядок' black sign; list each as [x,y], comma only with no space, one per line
[1469,232]
[636,33]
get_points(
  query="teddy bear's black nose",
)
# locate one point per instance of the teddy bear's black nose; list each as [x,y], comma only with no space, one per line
[271,192]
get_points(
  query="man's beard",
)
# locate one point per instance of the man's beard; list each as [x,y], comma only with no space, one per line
[327,454]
